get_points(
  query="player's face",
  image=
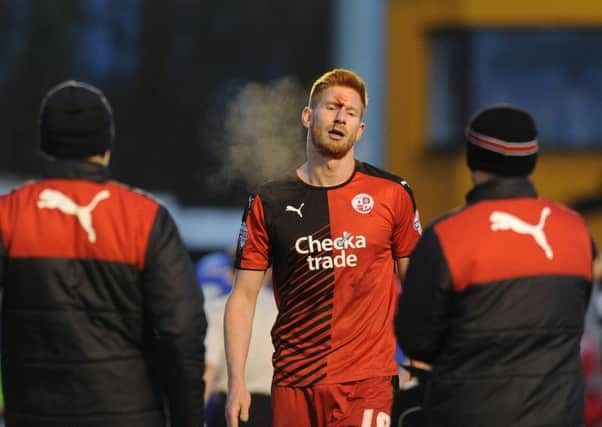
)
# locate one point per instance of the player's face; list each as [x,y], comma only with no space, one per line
[335,121]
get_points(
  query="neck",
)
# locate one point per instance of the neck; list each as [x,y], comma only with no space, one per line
[322,171]
[101,159]
[481,177]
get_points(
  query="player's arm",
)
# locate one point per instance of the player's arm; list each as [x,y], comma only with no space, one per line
[423,309]
[238,324]
[401,266]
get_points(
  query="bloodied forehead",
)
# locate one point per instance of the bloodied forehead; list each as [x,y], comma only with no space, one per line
[343,96]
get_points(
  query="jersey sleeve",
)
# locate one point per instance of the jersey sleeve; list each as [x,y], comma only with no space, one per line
[407,228]
[253,248]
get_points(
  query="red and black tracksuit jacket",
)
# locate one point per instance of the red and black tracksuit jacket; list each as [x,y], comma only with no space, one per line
[102,318]
[495,298]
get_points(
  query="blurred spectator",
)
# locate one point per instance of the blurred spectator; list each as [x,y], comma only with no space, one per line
[215,274]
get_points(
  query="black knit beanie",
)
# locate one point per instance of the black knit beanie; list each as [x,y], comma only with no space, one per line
[76,121]
[502,139]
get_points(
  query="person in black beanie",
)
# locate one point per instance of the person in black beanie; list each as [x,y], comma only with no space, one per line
[76,122]
[496,292]
[102,320]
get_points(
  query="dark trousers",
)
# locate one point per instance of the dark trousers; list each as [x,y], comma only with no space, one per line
[260,414]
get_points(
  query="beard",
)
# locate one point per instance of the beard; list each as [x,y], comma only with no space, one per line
[332,149]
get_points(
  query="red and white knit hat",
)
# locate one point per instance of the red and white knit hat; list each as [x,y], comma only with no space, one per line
[502,139]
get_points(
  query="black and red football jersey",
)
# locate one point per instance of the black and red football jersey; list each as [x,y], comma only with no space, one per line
[332,250]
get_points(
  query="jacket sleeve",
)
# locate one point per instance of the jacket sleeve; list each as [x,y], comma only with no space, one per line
[174,305]
[422,316]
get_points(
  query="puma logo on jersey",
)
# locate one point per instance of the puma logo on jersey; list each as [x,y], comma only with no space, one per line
[505,221]
[54,199]
[290,208]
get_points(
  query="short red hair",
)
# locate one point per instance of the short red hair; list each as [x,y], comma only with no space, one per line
[339,77]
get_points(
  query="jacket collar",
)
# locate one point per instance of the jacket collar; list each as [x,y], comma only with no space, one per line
[501,188]
[75,169]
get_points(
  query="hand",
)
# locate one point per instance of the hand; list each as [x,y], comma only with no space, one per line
[237,404]
[404,376]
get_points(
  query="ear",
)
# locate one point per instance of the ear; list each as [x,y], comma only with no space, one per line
[306,116]
[360,130]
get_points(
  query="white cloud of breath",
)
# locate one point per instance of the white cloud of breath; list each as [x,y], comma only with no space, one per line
[262,133]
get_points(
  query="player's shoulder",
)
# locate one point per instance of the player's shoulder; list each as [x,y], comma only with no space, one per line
[371,170]
[385,176]
[277,188]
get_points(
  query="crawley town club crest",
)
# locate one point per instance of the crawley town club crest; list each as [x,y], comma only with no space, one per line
[363,203]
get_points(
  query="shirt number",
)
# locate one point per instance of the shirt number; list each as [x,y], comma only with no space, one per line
[382,419]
